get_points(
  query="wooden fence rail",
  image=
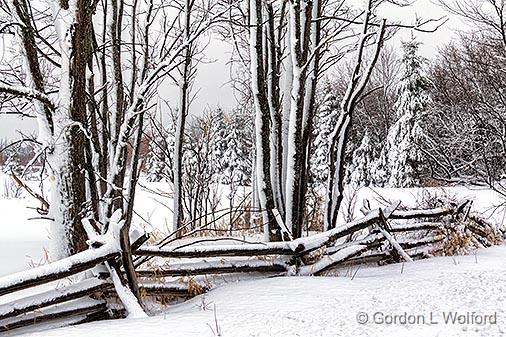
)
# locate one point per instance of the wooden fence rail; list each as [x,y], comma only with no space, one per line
[375,240]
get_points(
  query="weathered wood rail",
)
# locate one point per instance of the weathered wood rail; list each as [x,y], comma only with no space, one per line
[376,240]
[215,267]
[74,300]
[77,302]
[291,257]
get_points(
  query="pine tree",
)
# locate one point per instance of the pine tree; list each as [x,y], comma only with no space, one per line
[231,149]
[359,171]
[161,147]
[379,169]
[401,151]
[326,118]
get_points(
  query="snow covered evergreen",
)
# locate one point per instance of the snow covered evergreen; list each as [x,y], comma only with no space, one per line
[326,118]
[397,165]
[359,171]
[232,150]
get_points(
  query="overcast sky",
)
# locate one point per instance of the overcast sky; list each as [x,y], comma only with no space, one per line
[212,77]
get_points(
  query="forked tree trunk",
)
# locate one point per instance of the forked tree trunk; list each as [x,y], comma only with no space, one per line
[339,136]
[300,27]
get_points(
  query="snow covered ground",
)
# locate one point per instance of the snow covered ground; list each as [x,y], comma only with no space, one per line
[332,306]
[23,242]
[303,306]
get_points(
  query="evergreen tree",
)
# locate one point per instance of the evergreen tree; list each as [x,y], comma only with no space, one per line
[161,147]
[379,169]
[326,118]
[232,149]
[359,170]
[401,153]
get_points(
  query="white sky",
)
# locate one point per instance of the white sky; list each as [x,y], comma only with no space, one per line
[212,77]
[424,9]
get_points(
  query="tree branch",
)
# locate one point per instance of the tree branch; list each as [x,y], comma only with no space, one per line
[26,92]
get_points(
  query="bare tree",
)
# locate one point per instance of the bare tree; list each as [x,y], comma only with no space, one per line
[339,137]
[487,15]
[107,119]
[465,139]
[187,74]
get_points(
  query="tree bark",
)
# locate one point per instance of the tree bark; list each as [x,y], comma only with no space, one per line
[300,27]
[76,136]
[184,84]
[262,123]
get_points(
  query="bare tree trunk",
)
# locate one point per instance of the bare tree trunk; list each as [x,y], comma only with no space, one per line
[104,108]
[67,157]
[335,182]
[300,24]
[181,121]
[118,93]
[309,109]
[76,137]
[339,136]
[262,123]
[273,75]
[287,98]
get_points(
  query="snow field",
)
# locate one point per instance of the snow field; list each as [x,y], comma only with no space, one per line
[329,306]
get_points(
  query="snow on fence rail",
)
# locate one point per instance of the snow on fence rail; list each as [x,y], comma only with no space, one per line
[52,297]
[270,248]
[57,270]
[64,303]
[74,303]
[61,304]
[80,307]
[313,255]
[296,256]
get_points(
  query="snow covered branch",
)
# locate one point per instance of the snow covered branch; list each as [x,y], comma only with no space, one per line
[28,93]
